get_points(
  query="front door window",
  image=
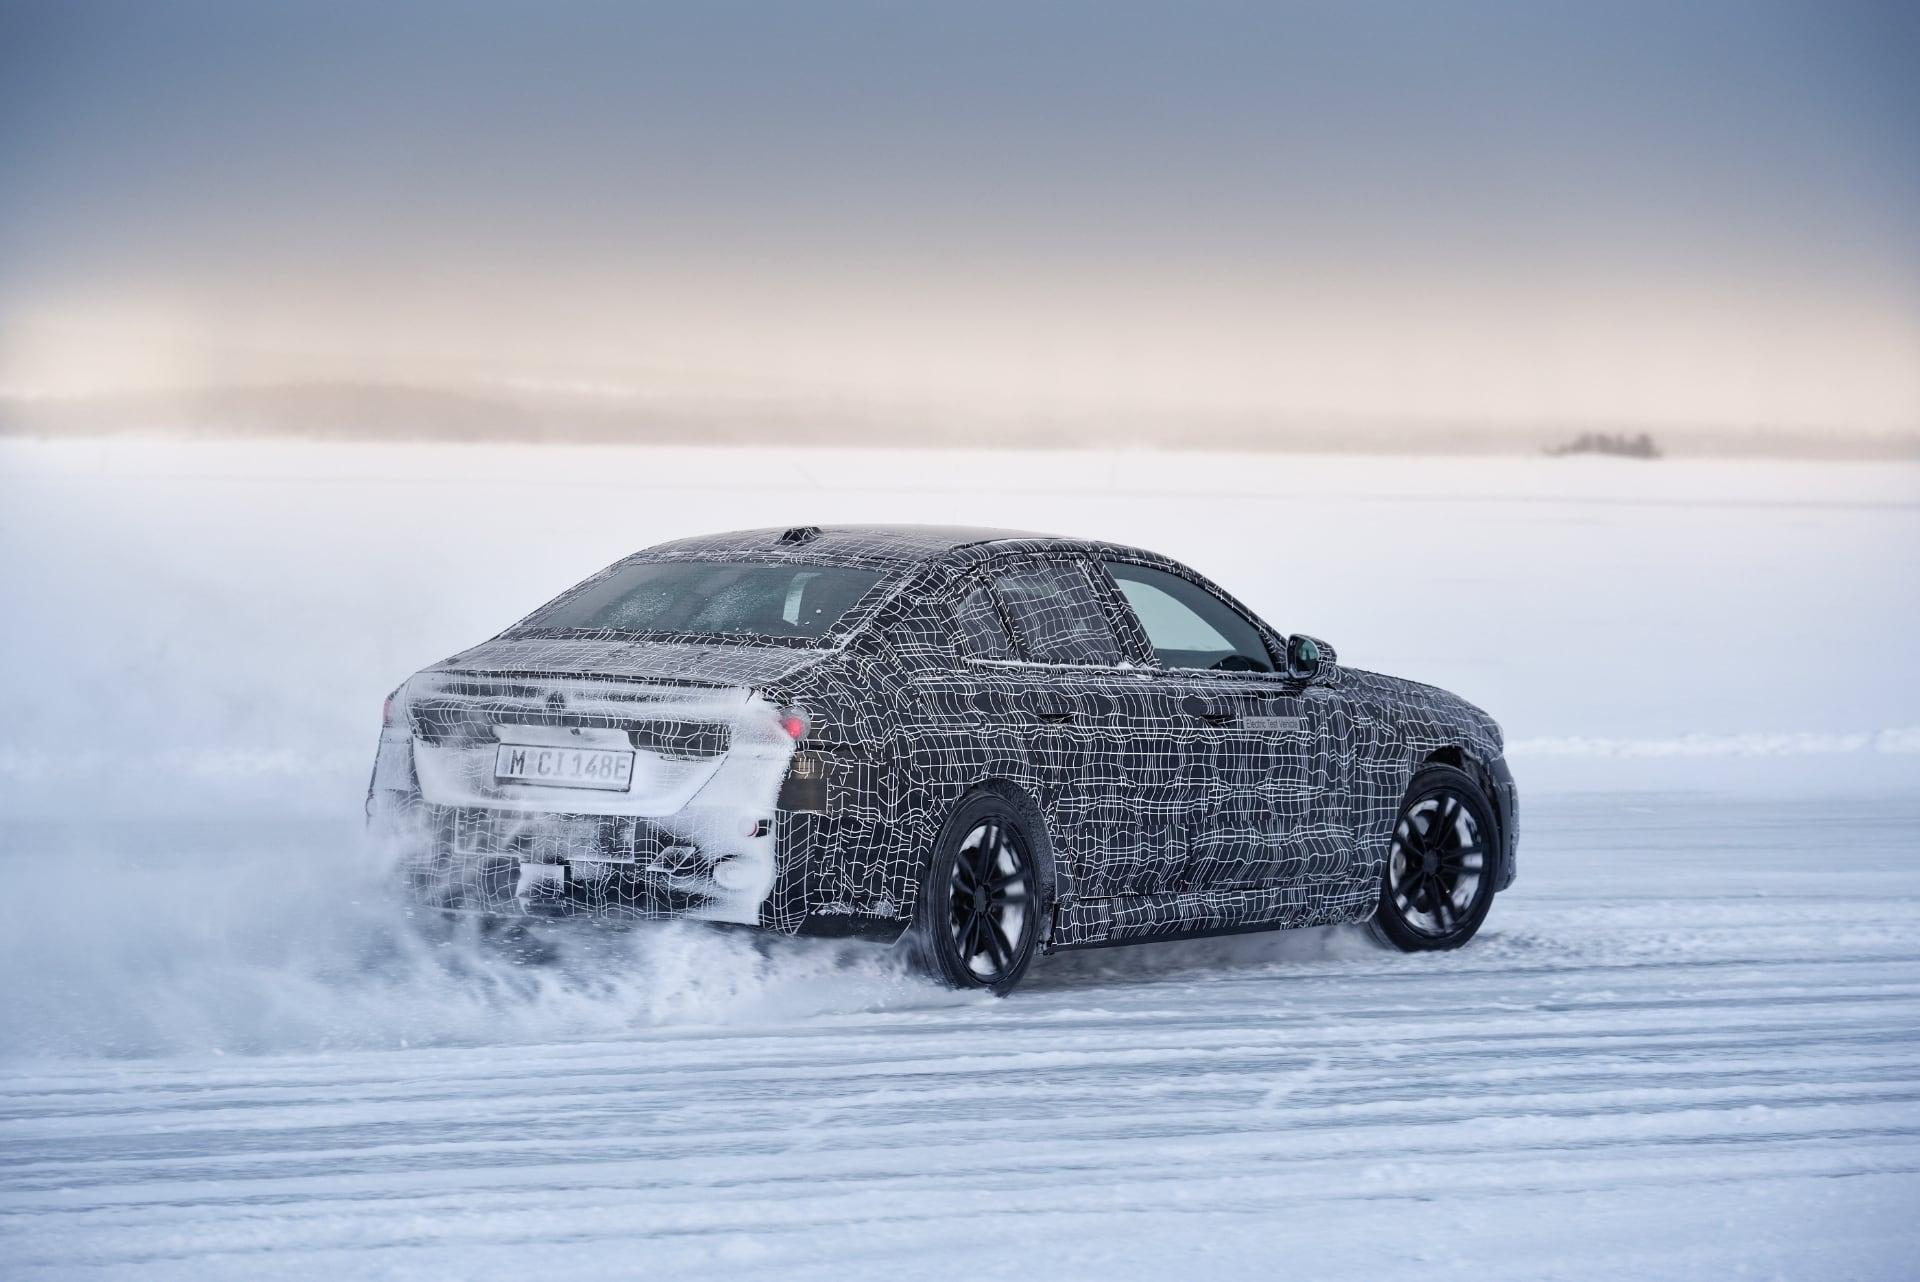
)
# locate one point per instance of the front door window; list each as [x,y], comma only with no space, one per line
[1187,626]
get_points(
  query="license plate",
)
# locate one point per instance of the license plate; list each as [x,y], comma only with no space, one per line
[600,768]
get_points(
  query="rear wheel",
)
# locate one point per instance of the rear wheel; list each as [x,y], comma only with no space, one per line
[1438,883]
[978,920]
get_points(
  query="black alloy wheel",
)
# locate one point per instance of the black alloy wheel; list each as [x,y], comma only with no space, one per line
[979,917]
[1439,877]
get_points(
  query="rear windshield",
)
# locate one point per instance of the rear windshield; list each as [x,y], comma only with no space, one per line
[709,598]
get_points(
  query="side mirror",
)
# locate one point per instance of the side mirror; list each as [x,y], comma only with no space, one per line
[1305,654]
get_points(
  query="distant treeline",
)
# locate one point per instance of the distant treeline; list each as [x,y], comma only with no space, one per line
[1615,443]
[489,415]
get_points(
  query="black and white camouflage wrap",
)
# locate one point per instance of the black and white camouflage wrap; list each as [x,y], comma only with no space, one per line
[1163,801]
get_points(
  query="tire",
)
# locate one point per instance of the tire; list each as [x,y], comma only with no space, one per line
[977,923]
[1442,858]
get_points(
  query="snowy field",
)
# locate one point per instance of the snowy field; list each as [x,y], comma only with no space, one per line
[1686,1045]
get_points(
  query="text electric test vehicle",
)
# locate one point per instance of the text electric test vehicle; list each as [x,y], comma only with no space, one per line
[1004,743]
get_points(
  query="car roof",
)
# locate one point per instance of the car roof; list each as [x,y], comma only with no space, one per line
[854,544]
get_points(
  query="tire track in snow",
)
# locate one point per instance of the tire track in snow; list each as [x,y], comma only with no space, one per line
[1616,1063]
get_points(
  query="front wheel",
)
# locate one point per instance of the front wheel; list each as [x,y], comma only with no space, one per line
[978,921]
[1438,883]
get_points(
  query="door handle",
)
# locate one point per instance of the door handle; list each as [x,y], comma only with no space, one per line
[1049,708]
[1212,711]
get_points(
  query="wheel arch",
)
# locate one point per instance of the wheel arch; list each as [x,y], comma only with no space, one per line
[1462,758]
[1496,782]
[1039,841]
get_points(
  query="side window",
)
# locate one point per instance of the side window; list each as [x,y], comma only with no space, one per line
[982,634]
[1057,613]
[1188,626]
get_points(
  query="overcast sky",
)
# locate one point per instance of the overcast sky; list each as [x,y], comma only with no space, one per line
[1663,213]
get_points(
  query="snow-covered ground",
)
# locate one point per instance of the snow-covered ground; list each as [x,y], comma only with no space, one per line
[1687,1044]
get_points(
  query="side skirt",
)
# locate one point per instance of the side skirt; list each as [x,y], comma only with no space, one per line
[1092,923]
[879,930]
[1168,936]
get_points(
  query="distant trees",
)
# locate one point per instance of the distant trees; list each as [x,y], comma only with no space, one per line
[1616,443]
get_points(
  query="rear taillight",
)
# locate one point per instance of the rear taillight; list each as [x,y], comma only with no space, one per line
[794,722]
[386,709]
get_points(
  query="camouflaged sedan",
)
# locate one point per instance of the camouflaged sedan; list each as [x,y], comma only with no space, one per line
[993,744]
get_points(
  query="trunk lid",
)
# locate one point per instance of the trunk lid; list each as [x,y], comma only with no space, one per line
[685,711]
[636,660]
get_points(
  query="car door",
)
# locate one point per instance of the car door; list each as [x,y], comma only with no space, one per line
[1095,739]
[1261,741]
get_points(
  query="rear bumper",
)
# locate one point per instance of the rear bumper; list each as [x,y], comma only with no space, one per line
[1506,799]
[691,832]
[713,866]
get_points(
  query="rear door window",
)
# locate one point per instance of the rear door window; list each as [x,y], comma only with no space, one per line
[1056,613]
[982,634]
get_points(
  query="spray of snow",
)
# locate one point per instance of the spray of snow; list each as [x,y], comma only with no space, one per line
[280,943]
[248,942]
